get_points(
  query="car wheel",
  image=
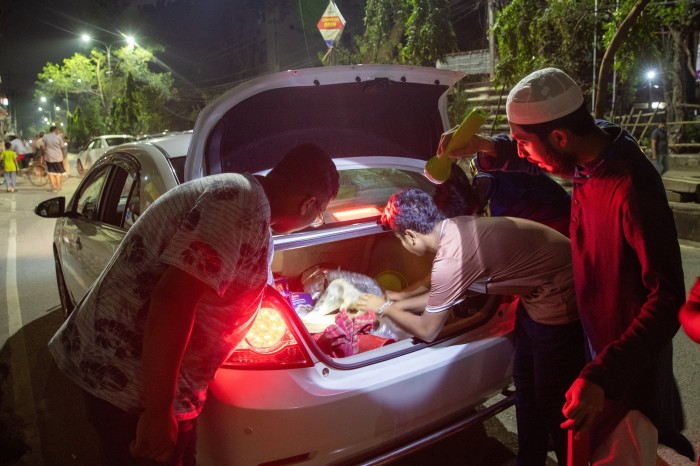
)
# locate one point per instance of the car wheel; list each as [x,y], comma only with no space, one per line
[66,302]
[79,167]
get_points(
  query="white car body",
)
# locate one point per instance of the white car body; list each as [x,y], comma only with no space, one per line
[291,403]
[98,146]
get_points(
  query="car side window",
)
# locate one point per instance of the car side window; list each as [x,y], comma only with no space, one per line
[88,200]
[93,144]
[129,201]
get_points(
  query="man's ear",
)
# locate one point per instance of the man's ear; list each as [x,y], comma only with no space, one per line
[308,203]
[411,236]
[559,138]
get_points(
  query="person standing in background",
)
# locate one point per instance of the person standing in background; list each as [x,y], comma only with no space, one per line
[66,163]
[9,161]
[38,148]
[21,150]
[659,147]
[55,150]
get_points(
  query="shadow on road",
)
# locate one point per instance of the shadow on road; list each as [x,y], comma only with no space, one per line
[40,409]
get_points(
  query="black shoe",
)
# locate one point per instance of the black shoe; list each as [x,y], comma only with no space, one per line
[679,443]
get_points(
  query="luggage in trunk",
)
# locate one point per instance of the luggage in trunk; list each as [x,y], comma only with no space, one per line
[304,273]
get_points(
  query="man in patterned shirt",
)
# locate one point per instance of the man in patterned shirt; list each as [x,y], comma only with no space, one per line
[177,297]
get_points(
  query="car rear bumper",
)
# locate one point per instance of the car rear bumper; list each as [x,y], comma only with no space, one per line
[321,416]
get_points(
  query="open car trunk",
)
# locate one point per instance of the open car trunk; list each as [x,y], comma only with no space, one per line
[308,276]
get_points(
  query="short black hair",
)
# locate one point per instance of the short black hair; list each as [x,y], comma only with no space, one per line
[309,166]
[580,122]
[456,196]
[411,209]
[8,145]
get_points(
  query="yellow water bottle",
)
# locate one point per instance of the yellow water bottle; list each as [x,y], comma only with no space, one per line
[437,168]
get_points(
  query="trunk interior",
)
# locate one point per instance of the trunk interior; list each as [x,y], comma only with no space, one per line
[302,275]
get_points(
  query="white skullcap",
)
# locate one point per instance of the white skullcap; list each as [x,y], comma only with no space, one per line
[543,96]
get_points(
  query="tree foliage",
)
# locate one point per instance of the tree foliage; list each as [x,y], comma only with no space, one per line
[532,34]
[411,32]
[115,93]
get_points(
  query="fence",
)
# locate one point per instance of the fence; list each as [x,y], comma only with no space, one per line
[639,122]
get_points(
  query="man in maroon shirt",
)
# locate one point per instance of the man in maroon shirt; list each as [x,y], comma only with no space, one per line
[627,264]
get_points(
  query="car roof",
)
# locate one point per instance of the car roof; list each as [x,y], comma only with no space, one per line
[172,145]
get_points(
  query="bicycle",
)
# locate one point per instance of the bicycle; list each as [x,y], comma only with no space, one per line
[37,172]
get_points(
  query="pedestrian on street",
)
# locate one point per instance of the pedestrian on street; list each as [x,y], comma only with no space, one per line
[55,151]
[38,148]
[66,162]
[179,295]
[508,256]
[21,150]
[627,264]
[659,147]
[9,162]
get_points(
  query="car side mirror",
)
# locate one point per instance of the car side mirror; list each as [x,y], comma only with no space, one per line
[51,208]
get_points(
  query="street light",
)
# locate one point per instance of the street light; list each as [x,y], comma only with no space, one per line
[651,74]
[128,39]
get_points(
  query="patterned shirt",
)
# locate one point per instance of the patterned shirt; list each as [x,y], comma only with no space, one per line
[218,230]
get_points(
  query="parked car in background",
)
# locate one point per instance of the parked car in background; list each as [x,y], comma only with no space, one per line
[98,146]
[283,397]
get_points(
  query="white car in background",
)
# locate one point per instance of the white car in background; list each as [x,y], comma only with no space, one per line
[98,146]
[281,398]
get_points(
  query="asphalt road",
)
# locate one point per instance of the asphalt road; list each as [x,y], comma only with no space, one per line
[41,416]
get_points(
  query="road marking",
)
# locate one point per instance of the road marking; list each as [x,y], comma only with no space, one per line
[19,359]
[14,315]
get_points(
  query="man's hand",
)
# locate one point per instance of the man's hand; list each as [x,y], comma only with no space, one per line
[476,144]
[367,302]
[156,436]
[584,401]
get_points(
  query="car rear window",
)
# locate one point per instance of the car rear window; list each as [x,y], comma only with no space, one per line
[119,140]
[364,192]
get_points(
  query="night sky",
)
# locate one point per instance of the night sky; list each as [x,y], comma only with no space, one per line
[207,44]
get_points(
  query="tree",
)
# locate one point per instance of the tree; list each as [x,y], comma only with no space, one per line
[126,109]
[632,34]
[130,92]
[411,32]
[77,129]
[429,33]
[532,34]
[614,44]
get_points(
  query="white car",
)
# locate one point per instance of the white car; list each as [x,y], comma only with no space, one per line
[282,398]
[98,146]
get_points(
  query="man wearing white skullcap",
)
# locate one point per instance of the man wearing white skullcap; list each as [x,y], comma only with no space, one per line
[627,265]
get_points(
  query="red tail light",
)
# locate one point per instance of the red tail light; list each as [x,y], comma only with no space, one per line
[270,343]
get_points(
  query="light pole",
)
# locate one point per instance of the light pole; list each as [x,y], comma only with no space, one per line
[128,39]
[651,74]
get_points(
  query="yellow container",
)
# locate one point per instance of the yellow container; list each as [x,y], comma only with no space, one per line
[437,169]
